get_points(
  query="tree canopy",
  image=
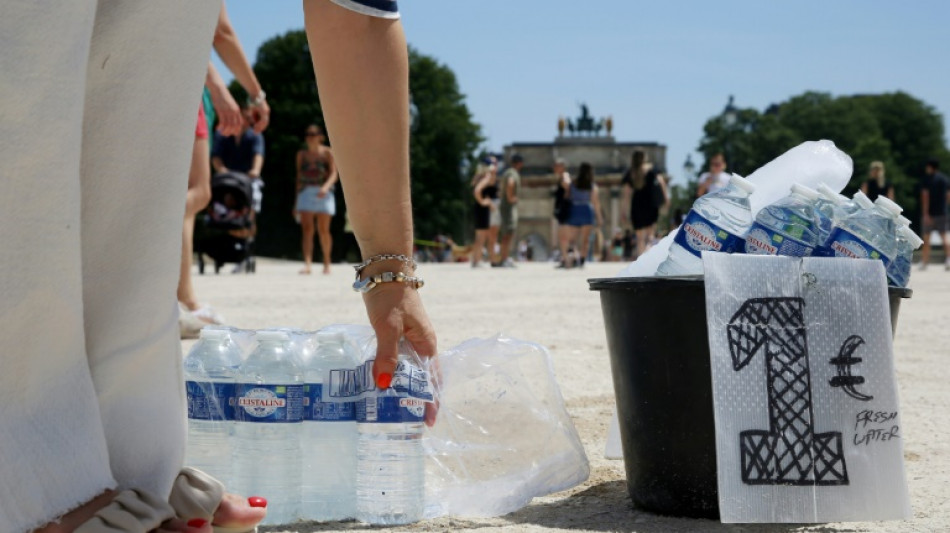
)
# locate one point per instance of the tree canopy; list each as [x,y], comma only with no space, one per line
[444,137]
[895,128]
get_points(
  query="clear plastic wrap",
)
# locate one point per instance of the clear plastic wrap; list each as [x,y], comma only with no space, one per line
[502,435]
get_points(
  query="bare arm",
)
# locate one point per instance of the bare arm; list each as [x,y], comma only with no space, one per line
[229,113]
[229,49]
[299,164]
[483,201]
[626,196]
[333,174]
[925,204]
[510,191]
[218,165]
[864,187]
[362,70]
[256,165]
[890,193]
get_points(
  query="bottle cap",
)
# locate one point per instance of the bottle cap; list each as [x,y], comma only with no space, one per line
[272,336]
[329,337]
[807,192]
[862,200]
[888,205]
[742,183]
[911,237]
[903,221]
[829,194]
[212,333]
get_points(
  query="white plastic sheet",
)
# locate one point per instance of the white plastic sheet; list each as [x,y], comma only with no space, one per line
[807,421]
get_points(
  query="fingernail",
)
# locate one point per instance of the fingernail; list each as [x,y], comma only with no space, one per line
[383,380]
[257,501]
[197,522]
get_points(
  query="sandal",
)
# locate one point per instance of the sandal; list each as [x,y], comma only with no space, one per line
[195,494]
[131,511]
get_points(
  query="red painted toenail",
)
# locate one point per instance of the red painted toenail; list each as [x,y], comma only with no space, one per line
[257,501]
[197,522]
[384,380]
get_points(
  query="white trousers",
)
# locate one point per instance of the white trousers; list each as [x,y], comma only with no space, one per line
[98,104]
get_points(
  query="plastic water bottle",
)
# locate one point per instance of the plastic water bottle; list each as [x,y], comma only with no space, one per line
[787,227]
[328,491]
[898,272]
[829,207]
[268,413]
[390,473]
[717,222]
[210,368]
[869,233]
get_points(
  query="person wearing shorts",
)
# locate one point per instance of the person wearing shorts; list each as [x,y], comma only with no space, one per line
[510,188]
[933,204]
[316,203]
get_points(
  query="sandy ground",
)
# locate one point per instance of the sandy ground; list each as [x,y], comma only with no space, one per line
[555,308]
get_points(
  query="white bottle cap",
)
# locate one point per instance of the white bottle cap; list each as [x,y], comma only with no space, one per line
[903,221]
[742,183]
[888,205]
[862,200]
[271,335]
[829,194]
[329,337]
[212,333]
[807,192]
[911,237]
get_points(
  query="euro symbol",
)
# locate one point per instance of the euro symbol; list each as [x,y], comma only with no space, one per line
[844,363]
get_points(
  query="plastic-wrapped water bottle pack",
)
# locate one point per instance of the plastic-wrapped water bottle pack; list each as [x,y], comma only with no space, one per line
[295,417]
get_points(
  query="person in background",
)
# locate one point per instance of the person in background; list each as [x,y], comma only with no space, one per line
[562,206]
[510,188]
[487,218]
[585,210]
[244,153]
[644,190]
[933,204]
[716,179]
[192,315]
[316,202]
[616,245]
[876,185]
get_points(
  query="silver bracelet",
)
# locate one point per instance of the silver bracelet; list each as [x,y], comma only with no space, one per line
[368,284]
[406,260]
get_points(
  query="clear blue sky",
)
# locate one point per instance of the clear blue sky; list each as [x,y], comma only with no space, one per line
[660,68]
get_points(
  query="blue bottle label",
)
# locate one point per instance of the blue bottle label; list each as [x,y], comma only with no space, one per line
[390,409]
[210,400]
[317,410]
[268,403]
[846,244]
[762,240]
[698,234]
[822,251]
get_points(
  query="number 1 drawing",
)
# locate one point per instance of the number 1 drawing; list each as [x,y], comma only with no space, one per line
[789,452]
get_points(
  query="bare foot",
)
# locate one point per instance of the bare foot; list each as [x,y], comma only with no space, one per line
[238,512]
[326,269]
[305,271]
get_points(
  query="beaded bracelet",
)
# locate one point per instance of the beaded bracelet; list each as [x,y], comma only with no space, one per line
[366,285]
[406,260]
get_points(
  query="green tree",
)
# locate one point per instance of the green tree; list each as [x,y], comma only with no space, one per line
[443,138]
[895,128]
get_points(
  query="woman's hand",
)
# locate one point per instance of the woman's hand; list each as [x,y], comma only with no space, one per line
[395,311]
[322,192]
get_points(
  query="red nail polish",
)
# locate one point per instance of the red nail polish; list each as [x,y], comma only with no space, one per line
[197,522]
[257,501]
[383,380]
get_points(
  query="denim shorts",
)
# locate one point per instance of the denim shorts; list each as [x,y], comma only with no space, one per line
[376,8]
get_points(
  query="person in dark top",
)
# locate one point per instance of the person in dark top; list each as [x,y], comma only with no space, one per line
[486,195]
[876,185]
[241,153]
[645,192]
[933,205]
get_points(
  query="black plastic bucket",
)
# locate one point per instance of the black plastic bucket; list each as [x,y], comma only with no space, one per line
[663,387]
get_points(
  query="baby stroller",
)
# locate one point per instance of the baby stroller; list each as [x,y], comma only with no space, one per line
[226,235]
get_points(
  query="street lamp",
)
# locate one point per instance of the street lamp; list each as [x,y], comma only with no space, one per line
[689,167]
[730,115]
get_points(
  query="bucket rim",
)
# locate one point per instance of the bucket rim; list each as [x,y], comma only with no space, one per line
[634,282]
